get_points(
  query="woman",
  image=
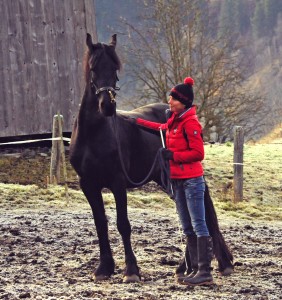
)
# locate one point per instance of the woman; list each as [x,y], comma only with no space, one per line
[185,151]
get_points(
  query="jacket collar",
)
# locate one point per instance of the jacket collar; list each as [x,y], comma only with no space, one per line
[187,112]
[183,113]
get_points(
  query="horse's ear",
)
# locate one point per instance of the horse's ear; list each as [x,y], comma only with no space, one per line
[89,41]
[114,40]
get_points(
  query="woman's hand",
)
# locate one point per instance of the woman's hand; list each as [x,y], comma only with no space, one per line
[167,154]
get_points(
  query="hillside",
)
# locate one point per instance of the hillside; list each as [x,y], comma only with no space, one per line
[260,49]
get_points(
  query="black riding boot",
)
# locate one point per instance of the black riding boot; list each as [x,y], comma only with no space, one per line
[193,254]
[184,265]
[205,254]
[189,263]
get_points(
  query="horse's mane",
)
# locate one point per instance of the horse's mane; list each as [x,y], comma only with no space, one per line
[86,68]
[98,49]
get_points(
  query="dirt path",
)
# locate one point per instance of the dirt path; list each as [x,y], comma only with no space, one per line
[50,253]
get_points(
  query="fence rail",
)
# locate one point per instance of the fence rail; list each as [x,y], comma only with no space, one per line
[58,163]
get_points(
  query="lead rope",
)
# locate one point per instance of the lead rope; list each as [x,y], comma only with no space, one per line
[169,182]
[164,166]
[179,225]
[165,176]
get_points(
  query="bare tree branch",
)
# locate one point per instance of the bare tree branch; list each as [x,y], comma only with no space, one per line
[176,40]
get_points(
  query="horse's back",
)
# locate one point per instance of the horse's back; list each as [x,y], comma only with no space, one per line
[143,143]
[154,112]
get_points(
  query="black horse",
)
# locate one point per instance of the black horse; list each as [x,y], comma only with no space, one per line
[95,157]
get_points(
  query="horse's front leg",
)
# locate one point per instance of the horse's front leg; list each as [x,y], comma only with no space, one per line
[94,197]
[131,272]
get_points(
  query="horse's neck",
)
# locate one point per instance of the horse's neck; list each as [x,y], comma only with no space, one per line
[89,115]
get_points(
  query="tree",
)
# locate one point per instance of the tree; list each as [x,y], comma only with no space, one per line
[259,20]
[228,17]
[271,13]
[242,14]
[177,40]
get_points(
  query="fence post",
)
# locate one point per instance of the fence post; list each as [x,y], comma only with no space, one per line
[238,163]
[55,153]
[62,155]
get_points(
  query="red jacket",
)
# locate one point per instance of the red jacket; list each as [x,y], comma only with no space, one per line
[187,154]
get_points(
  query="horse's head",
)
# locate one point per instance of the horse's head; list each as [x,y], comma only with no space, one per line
[101,66]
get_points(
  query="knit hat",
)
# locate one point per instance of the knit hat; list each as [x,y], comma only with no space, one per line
[184,92]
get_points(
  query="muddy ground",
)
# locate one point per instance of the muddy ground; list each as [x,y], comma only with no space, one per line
[50,252]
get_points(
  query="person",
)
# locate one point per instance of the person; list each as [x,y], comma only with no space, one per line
[185,151]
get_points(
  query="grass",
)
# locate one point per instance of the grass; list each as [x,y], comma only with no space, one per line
[262,187]
[262,197]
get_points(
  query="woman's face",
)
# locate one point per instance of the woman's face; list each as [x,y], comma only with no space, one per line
[175,105]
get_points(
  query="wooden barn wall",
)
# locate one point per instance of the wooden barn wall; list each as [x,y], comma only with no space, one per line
[42,43]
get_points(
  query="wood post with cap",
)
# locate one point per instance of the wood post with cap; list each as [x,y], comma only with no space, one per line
[238,164]
[58,154]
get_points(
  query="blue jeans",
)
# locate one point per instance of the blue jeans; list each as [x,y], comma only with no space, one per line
[189,198]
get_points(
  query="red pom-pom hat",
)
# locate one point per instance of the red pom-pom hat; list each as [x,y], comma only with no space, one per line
[184,92]
[189,80]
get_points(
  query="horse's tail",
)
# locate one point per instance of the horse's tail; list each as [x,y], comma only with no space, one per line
[221,250]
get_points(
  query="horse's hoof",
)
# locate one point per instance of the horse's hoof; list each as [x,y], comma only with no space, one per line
[227,272]
[100,277]
[131,278]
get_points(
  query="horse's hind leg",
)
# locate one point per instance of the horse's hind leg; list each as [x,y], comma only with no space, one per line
[131,273]
[94,197]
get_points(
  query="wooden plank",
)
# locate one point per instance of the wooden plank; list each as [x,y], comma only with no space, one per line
[4,113]
[7,83]
[63,54]
[16,66]
[41,121]
[90,19]
[24,40]
[80,38]
[50,33]
[29,75]
[74,89]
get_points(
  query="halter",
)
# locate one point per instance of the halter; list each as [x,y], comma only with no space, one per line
[109,89]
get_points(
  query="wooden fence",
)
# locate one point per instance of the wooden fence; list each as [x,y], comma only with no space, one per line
[41,51]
